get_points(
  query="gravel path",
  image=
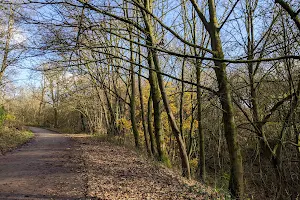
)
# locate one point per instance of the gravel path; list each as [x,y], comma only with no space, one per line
[42,169]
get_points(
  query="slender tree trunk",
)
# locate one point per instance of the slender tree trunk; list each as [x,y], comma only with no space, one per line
[201,162]
[113,121]
[132,97]
[143,113]
[236,183]
[42,102]
[102,106]
[150,129]
[201,142]
[83,126]
[155,94]
[171,118]
[182,149]
[159,136]
[182,98]
[191,131]
[236,180]
[251,73]
[55,117]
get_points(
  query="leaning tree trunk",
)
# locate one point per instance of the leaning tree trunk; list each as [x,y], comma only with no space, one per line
[182,148]
[151,41]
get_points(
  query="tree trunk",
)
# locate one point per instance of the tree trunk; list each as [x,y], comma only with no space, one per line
[150,129]
[153,55]
[201,162]
[143,111]
[159,136]
[132,97]
[236,183]
[55,117]
[182,149]
[83,126]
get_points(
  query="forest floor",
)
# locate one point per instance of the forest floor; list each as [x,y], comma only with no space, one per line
[58,166]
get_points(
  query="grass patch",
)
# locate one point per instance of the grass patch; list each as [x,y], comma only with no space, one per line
[10,138]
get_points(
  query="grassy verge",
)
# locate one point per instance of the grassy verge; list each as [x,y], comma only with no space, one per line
[10,138]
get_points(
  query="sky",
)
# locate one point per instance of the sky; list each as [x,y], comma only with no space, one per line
[21,73]
[29,33]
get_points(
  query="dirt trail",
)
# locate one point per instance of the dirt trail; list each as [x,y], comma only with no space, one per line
[42,169]
[60,167]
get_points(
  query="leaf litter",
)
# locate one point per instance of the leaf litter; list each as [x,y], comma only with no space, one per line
[115,172]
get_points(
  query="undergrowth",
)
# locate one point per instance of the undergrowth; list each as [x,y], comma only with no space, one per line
[10,138]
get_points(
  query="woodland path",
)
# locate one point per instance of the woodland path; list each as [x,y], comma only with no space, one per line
[61,167]
[41,169]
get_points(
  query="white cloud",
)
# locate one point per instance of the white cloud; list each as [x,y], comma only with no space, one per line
[18,36]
